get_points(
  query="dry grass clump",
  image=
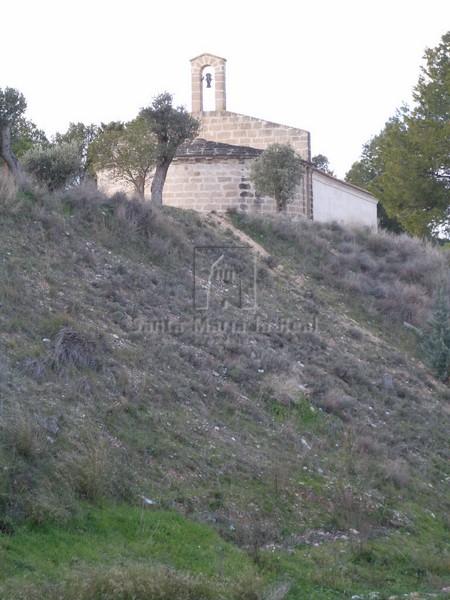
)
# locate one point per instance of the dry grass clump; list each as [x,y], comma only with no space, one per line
[286,389]
[335,402]
[20,432]
[73,349]
[348,509]
[45,471]
[8,192]
[32,367]
[139,217]
[4,369]
[86,201]
[25,447]
[358,283]
[396,471]
[139,582]
[343,264]
[405,302]
[366,444]
[89,467]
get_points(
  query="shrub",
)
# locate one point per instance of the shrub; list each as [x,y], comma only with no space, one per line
[86,200]
[137,215]
[277,173]
[403,302]
[436,340]
[56,166]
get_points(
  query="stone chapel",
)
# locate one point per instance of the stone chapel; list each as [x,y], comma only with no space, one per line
[211,173]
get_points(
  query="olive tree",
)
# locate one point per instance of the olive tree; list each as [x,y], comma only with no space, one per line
[56,166]
[83,135]
[126,151]
[12,107]
[277,173]
[171,127]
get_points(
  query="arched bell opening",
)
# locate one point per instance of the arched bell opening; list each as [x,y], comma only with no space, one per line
[208,88]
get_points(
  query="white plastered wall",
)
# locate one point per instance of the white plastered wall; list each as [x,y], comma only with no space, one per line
[335,200]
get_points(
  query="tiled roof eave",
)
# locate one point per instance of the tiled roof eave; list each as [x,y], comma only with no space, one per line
[201,148]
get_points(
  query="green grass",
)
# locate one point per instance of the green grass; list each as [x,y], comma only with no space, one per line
[118,535]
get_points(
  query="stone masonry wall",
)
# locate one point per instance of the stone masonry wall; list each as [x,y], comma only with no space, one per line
[240,130]
[211,184]
[218,184]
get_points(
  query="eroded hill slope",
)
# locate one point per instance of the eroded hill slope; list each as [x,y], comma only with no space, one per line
[276,397]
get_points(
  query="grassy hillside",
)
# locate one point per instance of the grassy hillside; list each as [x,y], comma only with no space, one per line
[292,442]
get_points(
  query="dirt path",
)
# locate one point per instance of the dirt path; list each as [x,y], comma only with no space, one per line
[225,223]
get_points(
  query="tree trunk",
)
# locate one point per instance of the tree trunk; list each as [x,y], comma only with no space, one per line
[158,182]
[139,187]
[281,206]
[8,156]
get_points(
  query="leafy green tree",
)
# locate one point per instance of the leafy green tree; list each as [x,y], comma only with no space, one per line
[409,186]
[365,171]
[171,127]
[12,107]
[436,339]
[56,166]
[127,151]
[322,163]
[407,165]
[24,135]
[388,223]
[277,173]
[83,135]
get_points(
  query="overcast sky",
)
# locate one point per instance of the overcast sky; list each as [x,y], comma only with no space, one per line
[337,68]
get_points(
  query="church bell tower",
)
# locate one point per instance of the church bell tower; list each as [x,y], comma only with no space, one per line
[208,83]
